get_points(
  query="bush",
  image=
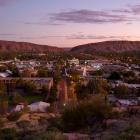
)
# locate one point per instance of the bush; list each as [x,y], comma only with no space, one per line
[42,73]
[121,91]
[82,91]
[123,136]
[86,113]
[55,135]
[28,86]
[14,116]
[3,105]
[53,94]
[43,121]
[55,124]
[1,122]
[129,133]
[17,98]
[23,124]
[114,76]
[8,134]
[52,108]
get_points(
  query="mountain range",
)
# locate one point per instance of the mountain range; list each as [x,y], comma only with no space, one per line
[12,46]
[106,46]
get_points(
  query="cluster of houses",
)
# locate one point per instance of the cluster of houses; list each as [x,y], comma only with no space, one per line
[85,67]
[123,103]
[91,65]
[108,67]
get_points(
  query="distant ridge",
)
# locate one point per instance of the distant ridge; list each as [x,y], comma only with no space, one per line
[108,46]
[13,46]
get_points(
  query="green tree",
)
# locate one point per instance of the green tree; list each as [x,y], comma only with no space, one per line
[121,91]
[29,87]
[26,73]
[14,116]
[2,89]
[57,78]
[97,73]
[75,75]
[17,98]
[3,99]
[114,76]
[8,134]
[82,91]
[14,70]
[45,90]
[129,74]
[53,94]
[3,68]
[42,73]
[97,86]
[3,105]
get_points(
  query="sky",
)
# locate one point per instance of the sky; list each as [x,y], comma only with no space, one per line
[68,23]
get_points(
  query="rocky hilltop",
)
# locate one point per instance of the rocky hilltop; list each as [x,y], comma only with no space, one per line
[108,46]
[12,46]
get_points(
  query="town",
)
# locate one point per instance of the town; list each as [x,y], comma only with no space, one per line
[82,98]
[69,70]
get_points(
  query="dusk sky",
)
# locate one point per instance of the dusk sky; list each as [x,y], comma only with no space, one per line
[67,23]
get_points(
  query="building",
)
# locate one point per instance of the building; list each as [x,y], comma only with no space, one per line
[11,82]
[74,61]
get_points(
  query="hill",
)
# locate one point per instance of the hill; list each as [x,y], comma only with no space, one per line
[108,46]
[12,46]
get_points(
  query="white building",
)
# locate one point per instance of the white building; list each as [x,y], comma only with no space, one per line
[96,66]
[126,103]
[74,61]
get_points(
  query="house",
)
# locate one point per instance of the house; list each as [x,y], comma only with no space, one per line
[126,103]
[136,86]
[119,83]
[5,74]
